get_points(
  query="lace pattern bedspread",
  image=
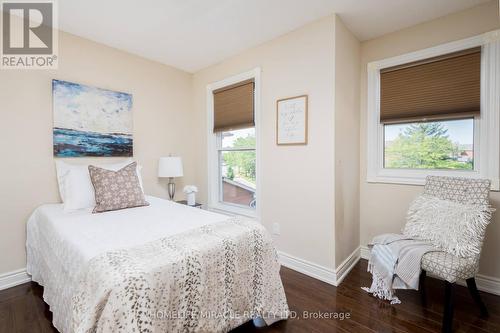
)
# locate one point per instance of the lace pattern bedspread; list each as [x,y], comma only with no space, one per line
[209,279]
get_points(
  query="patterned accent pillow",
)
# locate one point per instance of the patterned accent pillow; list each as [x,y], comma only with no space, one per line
[453,227]
[116,190]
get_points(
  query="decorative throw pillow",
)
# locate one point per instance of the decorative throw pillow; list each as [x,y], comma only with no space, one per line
[116,189]
[452,227]
[75,185]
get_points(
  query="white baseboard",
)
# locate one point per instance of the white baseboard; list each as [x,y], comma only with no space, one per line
[14,278]
[365,252]
[488,284]
[484,283]
[328,275]
[347,265]
[308,268]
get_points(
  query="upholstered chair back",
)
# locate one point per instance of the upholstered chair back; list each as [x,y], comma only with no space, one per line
[463,190]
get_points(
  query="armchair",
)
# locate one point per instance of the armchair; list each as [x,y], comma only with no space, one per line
[445,265]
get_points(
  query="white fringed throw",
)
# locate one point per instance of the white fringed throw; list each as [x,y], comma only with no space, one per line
[453,227]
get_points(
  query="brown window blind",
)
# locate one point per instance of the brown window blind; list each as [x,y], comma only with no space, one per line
[234,106]
[442,87]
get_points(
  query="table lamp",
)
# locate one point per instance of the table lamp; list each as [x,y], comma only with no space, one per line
[170,167]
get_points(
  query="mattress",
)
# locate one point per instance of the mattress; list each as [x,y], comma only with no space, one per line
[59,244]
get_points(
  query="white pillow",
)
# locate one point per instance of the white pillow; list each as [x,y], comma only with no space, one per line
[75,186]
[450,226]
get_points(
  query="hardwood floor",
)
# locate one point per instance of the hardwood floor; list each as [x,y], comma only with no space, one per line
[22,308]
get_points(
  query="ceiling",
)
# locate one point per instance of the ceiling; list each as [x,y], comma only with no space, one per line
[193,34]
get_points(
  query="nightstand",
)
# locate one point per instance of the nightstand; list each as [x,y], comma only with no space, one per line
[184,202]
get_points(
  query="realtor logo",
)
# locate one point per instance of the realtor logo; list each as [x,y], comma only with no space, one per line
[29,35]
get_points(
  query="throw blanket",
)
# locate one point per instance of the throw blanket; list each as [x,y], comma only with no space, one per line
[210,279]
[395,264]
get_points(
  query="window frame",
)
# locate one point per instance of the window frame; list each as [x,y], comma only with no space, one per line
[486,126]
[214,146]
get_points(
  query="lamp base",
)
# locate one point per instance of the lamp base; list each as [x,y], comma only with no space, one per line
[171,188]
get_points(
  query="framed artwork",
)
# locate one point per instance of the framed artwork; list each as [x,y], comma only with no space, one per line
[91,121]
[291,121]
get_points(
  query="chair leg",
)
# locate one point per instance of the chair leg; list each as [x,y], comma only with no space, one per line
[471,284]
[421,287]
[448,308]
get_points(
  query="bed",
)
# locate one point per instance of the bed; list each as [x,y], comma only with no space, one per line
[164,267]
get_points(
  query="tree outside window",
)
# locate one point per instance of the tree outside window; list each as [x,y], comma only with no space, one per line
[430,145]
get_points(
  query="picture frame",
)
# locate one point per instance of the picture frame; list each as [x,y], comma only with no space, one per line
[292,121]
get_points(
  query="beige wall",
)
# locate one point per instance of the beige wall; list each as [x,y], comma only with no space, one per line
[383,206]
[297,181]
[317,193]
[347,74]
[162,105]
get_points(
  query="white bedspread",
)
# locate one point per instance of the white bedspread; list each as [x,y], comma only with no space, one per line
[60,244]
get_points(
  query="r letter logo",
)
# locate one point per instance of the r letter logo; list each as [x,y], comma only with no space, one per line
[29,35]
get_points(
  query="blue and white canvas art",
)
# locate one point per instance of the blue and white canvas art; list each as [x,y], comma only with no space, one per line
[91,121]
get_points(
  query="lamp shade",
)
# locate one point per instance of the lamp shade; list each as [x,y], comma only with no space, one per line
[170,167]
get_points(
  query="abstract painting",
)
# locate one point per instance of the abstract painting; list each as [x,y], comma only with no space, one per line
[91,121]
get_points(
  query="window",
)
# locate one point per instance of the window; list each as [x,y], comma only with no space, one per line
[233,144]
[237,167]
[443,88]
[430,145]
[435,112]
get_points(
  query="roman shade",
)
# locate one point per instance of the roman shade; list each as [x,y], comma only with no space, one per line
[234,106]
[442,87]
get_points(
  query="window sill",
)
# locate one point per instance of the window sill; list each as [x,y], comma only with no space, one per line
[232,210]
[417,177]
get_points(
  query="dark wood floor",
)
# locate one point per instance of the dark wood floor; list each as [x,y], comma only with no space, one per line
[22,308]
